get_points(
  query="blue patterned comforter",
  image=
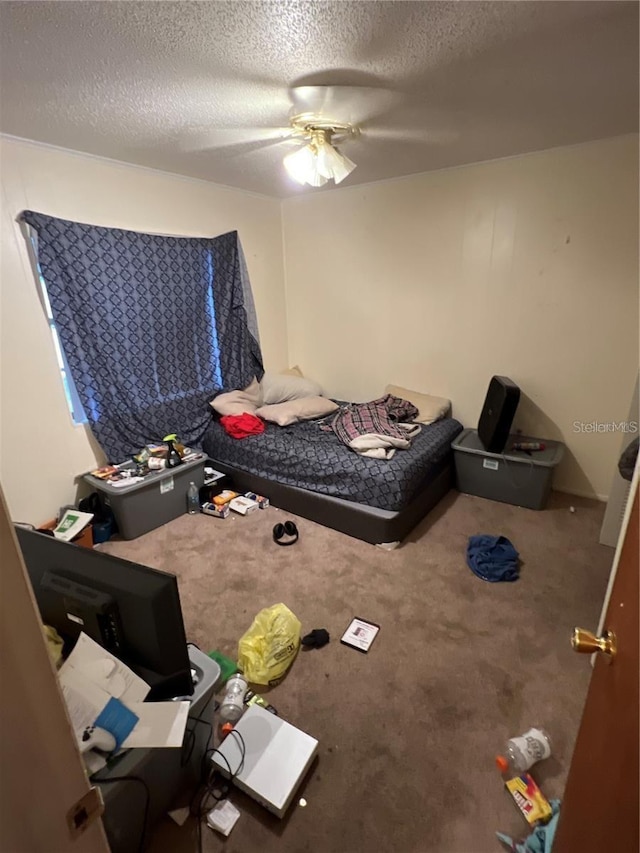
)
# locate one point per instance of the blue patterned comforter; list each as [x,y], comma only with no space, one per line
[308,457]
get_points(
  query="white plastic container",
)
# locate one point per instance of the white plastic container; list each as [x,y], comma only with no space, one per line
[232,705]
[524,751]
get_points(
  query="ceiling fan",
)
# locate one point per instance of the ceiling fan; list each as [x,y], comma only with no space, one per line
[323,123]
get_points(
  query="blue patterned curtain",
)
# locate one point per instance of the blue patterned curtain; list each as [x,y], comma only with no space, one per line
[152,327]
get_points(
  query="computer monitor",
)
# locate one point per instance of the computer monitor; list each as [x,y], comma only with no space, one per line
[132,610]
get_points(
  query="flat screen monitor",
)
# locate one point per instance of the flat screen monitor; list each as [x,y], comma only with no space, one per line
[132,610]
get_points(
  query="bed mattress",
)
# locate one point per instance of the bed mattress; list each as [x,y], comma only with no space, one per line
[307,457]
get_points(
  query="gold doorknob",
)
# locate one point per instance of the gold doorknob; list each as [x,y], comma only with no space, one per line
[586,642]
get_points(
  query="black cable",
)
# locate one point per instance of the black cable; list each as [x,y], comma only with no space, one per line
[111,779]
[190,736]
[209,784]
[191,733]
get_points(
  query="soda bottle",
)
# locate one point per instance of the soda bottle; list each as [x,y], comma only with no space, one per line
[524,751]
[232,705]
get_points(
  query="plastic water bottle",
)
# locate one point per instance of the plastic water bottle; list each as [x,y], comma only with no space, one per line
[193,499]
[232,704]
[524,751]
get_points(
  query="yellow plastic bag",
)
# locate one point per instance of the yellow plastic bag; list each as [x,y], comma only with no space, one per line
[268,648]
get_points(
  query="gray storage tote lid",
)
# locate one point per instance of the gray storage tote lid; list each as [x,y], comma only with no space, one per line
[148,480]
[469,442]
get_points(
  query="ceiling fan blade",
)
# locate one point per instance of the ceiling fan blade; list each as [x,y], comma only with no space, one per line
[348,104]
[228,137]
[250,146]
[415,135]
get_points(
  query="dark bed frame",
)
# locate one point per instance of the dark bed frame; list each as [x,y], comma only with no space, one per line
[377,526]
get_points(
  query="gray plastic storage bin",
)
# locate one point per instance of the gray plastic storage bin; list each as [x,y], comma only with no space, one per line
[513,476]
[160,497]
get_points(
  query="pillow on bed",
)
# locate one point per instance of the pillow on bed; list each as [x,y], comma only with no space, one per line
[303,409]
[430,409]
[280,387]
[292,371]
[239,402]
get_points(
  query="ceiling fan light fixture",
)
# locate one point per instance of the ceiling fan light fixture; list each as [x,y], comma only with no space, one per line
[318,161]
[332,164]
[302,167]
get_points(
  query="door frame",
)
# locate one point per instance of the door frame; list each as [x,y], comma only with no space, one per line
[42,775]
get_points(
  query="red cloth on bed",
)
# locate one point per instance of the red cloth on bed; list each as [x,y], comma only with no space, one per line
[242,426]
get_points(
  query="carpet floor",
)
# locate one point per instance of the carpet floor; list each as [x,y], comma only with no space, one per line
[409,731]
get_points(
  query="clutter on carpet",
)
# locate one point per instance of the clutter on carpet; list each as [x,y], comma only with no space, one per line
[532,803]
[360,634]
[316,639]
[227,666]
[268,648]
[285,534]
[493,558]
[538,841]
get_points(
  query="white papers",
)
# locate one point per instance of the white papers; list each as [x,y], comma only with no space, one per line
[91,677]
[160,724]
[84,700]
[100,668]
[72,522]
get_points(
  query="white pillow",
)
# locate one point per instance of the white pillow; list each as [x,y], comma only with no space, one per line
[302,409]
[430,409]
[280,387]
[239,402]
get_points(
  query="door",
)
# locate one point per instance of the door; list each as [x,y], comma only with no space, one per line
[41,773]
[600,805]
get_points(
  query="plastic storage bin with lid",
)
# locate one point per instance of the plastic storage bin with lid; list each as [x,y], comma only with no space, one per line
[159,498]
[513,476]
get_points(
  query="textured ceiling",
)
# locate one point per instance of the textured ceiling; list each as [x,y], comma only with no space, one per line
[194,87]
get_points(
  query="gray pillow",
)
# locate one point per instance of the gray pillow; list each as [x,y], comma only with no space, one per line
[280,387]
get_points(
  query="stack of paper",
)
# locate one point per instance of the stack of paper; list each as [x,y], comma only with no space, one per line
[102,691]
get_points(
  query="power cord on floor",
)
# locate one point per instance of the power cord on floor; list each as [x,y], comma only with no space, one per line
[211,788]
[110,779]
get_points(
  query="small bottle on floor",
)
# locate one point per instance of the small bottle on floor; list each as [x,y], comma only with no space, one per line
[523,752]
[193,499]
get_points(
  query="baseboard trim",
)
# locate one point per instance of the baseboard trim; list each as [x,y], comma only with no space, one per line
[579,494]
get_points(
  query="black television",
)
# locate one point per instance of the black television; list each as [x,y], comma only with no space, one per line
[132,610]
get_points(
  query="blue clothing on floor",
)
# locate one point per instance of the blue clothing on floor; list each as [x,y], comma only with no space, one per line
[493,558]
[540,840]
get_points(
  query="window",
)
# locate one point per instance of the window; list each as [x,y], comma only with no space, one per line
[73,401]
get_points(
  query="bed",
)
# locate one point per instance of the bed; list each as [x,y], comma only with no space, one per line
[308,471]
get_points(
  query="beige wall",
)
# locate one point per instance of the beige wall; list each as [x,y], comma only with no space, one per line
[526,267]
[41,451]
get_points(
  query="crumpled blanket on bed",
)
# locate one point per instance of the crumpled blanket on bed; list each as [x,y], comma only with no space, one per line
[378,428]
